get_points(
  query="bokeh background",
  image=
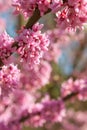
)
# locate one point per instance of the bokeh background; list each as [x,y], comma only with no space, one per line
[72,62]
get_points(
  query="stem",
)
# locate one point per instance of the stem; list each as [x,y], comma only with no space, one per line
[1,63]
[36,16]
[70,96]
[64,1]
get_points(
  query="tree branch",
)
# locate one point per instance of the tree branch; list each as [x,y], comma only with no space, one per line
[21,120]
[35,17]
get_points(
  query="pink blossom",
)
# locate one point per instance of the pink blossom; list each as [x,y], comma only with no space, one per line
[43,5]
[53,53]
[32,45]
[56,5]
[10,126]
[27,7]
[9,79]
[78,86]
[71,14]
[48,111]
[77,122]
[67,87]
[10,111]
[37,77]
[22,100]
[82,89]
[43,112]
[58,41]
[37,114]
[5,45]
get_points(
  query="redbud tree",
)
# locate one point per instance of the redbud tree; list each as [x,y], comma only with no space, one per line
[34,91]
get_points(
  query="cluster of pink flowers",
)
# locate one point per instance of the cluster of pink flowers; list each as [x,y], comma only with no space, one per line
[47,111]
[78,86]
[77,122]
[43,5]
[71,13]
[21,94]
[15,106]
[58,41]
[37,114]
[10,126]
[27,7]
[37,77]
[5,45]
[32,45]
[9,79]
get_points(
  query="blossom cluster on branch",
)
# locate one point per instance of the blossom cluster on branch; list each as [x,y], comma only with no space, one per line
[32,44]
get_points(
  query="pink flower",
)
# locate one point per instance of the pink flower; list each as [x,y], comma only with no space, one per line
[43,5]
[5,45]
[9,79]
[78,86]
[32,45]
[26,7]
[37,77]
[67,88]
[47,111]
[15,126]
[71,14]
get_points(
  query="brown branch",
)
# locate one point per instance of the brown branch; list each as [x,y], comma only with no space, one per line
[36,16]
[64,1]
[70,96]
[1,63]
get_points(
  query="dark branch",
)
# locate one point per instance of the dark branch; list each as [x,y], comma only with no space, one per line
[36,16]
[64,1]
[70,96]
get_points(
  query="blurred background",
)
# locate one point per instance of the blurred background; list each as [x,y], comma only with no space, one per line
[72,62]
